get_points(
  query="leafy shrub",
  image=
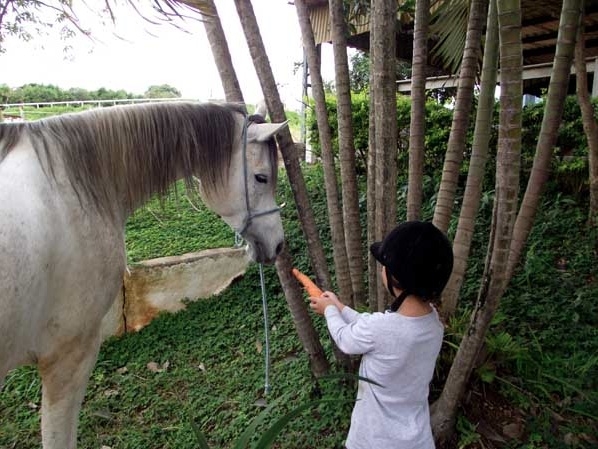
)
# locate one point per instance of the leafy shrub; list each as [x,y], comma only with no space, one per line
[438,120]
[569,165]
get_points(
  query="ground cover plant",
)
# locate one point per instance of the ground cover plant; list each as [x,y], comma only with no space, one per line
[205,365]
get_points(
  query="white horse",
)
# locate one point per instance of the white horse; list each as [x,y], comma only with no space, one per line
[67,186]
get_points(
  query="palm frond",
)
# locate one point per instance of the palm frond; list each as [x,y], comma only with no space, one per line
[448,26]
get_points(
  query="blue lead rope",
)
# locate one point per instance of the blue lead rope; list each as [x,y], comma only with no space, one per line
[239,242]
[266,333]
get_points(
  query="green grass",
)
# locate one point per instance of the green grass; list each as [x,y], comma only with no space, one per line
[35,113]
[175,226]
[215,376]
[543,347]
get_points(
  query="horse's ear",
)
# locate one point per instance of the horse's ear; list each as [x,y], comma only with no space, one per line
[261,132]
[261,108]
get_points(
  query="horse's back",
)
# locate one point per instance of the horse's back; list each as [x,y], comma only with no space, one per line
[22,239]
[54,262]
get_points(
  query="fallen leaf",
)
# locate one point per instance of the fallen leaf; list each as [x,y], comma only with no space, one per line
[109,393]
[202,367]
[571,439]
[589,438]
[513,430]
[261,402]
[155,367]
[103,413]
[258,346]
[123,370]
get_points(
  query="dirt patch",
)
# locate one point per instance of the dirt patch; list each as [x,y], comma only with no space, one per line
[493,417]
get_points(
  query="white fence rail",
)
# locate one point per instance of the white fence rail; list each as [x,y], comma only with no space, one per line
[93,102]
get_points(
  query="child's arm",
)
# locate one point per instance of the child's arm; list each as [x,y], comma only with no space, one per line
[354,337]
[349,329]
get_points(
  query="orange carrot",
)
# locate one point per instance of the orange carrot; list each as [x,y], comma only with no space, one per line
[311,288]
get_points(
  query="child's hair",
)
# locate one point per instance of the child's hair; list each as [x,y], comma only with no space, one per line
[418,259]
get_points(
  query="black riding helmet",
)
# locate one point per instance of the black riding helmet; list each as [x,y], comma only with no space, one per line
[419,257]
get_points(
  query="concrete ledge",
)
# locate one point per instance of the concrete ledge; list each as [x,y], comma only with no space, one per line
[157,285]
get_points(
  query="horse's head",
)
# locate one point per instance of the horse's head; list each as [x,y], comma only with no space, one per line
[249,205]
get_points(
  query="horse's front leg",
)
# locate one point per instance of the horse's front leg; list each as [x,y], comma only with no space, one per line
[64,375]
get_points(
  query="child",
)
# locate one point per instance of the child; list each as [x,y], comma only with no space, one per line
[400,346]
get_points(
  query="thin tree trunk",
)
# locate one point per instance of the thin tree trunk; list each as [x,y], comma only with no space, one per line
[494,282]
[350,204]
[371,200]
[590,126]
[383,67]
[477,166]
[463,103]
[221,53]
[336,223]
[335,217]
[417,126]
[303,324]
[553,113]
[293,294]
[287,146]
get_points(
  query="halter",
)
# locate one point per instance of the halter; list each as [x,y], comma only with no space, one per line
[250,216]
[238,239]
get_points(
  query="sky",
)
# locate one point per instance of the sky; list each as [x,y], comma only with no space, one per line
[133,54]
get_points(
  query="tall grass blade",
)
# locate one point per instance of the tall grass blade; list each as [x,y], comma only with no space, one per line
[255,422]
[270,435]
[351,377]
[201,438]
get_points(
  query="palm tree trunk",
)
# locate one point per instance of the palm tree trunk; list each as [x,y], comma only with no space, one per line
[338,29]
[335,217]
[371,202]
[383,89]
[287,146]
[553,112]
[417,126]
[221,53]
[590,126]
[303,324]
[293,294]
[477,166]
[494,282]
[463,104]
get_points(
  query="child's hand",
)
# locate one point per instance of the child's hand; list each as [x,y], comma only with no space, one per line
[319,304]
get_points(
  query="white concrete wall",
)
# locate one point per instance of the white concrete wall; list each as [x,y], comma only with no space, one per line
[157,285]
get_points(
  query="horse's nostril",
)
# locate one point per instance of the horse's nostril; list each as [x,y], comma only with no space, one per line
[279,248]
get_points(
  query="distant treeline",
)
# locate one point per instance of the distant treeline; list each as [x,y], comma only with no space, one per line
[38,93]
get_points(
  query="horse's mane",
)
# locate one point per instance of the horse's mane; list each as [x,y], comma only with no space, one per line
[137,150]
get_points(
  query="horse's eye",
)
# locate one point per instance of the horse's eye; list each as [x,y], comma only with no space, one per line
[263,179]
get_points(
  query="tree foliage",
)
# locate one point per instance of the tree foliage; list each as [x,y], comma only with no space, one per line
[360,71]
[27,19]
[162,91]
[40,93]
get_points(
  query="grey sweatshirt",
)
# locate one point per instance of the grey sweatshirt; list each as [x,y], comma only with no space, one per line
[399,353]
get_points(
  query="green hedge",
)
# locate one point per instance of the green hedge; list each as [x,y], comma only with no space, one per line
[570,164]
